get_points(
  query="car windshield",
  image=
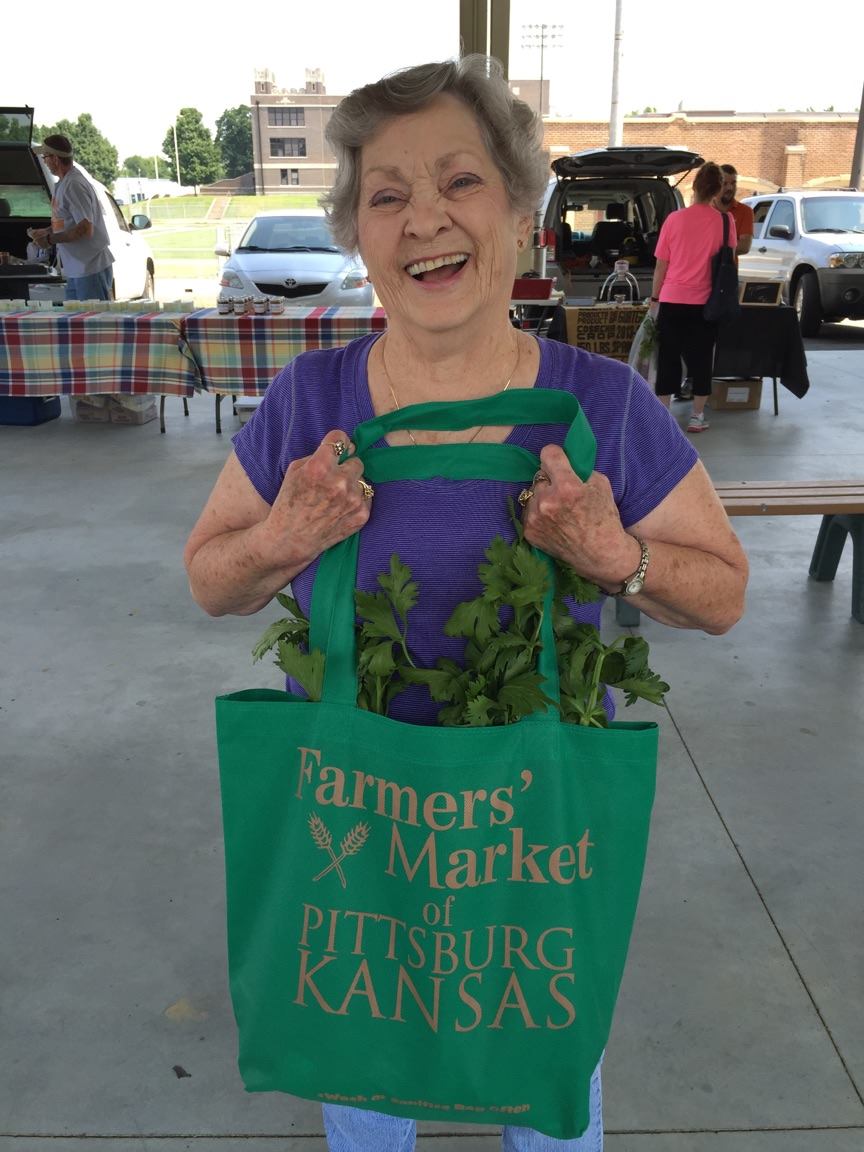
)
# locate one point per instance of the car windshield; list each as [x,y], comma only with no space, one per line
[288,234]
[833,214]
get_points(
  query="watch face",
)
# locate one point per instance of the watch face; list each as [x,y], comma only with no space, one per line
[633,586]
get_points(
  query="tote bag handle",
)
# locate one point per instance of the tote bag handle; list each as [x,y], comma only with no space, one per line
[332,613]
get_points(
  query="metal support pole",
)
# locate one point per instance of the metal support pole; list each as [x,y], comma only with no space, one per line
[616,118]
[858,150]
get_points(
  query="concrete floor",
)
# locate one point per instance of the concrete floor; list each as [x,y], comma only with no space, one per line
[740,1026]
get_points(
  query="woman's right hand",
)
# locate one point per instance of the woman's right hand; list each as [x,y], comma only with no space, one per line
[321,502]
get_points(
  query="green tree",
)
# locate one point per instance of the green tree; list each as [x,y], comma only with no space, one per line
[199,156]
[139,166]
[234,140]
[93,151]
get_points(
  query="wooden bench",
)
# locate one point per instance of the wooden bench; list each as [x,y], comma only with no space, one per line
[840,503]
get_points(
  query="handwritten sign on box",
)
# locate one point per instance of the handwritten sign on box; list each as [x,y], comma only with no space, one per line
[606,331]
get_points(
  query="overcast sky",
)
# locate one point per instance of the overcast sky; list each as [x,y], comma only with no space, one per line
[133,68]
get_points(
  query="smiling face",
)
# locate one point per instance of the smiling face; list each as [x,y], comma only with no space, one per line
[436,229]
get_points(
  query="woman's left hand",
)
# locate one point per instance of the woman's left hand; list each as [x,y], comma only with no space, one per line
[578,522]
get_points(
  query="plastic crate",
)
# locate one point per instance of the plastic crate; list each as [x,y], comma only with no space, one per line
[26,410]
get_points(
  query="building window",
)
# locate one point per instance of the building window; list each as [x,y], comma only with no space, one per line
[288,146]
[286,117]
[289,176]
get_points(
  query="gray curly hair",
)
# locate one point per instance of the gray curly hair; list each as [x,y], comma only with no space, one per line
[511,131]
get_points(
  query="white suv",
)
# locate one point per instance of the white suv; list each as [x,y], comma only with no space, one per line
[812,243]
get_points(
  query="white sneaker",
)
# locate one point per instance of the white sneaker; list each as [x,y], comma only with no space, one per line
[698,423]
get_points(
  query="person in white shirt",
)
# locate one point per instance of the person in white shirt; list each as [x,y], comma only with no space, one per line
[77,226]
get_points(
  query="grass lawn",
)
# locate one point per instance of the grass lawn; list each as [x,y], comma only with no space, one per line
[183,234]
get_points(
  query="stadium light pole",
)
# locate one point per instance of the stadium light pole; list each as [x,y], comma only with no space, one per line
[543,36]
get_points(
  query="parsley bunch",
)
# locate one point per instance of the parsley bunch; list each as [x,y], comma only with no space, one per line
[498,681]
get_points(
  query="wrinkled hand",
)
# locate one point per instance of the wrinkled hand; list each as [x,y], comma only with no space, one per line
[321,501]
[578,522]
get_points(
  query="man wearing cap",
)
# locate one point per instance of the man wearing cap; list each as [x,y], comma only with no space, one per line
[77,226]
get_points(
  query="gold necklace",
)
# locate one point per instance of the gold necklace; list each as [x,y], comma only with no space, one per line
[471,439]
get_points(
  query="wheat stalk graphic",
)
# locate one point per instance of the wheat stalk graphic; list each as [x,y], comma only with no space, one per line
[322,837]
[351,844]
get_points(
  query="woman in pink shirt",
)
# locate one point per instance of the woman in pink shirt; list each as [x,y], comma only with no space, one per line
[688,240]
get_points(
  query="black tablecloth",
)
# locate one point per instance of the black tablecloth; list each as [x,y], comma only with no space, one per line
[763,341]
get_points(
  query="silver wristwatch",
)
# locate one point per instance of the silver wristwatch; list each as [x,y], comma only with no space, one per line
[633,584]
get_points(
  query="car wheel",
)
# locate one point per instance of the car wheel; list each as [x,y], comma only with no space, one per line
[808,305]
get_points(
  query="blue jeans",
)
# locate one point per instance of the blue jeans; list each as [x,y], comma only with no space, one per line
[355,1130]
[96,286]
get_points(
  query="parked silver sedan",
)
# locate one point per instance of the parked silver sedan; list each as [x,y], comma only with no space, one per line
[291,254]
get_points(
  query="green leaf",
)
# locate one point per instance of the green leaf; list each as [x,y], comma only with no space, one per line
[379,659]
[377,615]
[399,587]
[474,619]
[477,712]
[292,606]
[307,668]
[649,687]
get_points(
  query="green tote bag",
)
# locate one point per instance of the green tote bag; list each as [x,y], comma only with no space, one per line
[425,921]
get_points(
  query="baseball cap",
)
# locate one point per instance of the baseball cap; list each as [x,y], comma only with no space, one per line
[56,146]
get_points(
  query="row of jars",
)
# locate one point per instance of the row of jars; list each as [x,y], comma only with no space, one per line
[257,305]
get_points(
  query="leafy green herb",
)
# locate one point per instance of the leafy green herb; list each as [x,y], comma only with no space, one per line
[498,682]
[383,659]
[382,650]
[290,638]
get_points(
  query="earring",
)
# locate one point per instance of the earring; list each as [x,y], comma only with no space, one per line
[520,244]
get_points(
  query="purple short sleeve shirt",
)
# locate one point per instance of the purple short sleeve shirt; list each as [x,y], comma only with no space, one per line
[440,527]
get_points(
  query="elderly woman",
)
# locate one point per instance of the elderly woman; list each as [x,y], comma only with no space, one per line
[439,170]
[688,241]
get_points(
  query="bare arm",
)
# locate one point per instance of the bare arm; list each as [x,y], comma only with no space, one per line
[743,245]
[243,551]
[66,235]
[697,572]
[660,269]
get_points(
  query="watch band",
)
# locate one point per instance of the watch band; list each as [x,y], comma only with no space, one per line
[633,584]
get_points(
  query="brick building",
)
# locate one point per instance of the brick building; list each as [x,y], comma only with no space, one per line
[788,149]
[288,145]
[771,149]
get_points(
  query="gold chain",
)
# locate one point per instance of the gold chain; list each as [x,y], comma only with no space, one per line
[471,439]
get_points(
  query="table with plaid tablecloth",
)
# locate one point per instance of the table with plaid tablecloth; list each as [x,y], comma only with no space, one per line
[240,355]
[58,353]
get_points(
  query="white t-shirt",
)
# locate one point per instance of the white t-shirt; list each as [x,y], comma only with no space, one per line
[74,200]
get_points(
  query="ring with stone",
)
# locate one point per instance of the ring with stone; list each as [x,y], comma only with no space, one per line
[538,476]
[524,496]
[338,447]
[368,490]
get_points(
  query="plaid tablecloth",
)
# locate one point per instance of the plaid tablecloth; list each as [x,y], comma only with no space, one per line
[82,353]
[240,355]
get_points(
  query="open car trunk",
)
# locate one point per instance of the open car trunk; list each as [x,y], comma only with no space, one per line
[25,202]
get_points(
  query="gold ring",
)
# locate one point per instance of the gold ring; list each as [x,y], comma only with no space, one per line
[524,496]
[538,476]
[368,490]
[338,447]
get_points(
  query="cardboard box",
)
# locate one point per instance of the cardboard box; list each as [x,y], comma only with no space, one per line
[736,395]
[132,409]
[90,409]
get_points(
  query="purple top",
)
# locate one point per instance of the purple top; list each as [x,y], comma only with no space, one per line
[440,527]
